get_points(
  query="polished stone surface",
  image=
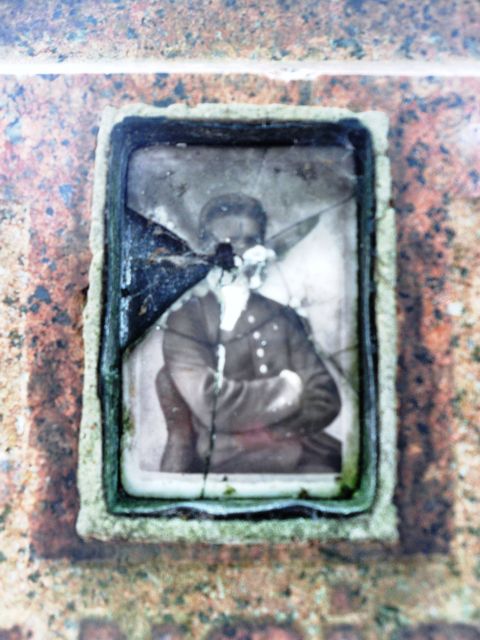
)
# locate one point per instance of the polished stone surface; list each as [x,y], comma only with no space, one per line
[284,30]
[48,133]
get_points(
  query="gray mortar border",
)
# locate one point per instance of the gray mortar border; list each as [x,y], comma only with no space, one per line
[380,522]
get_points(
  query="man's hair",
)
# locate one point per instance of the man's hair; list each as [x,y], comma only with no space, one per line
[232,204]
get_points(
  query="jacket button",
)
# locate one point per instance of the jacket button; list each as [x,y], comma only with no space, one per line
[263,368]
[260,353]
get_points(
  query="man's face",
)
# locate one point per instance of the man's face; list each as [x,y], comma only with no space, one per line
[241,231]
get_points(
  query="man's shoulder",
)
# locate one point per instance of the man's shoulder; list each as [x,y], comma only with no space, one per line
[259,301]
[265,308]
[189,315]
[192,304]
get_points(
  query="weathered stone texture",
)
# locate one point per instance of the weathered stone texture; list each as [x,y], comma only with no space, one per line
[346,598]
[343,632]
[440,632]
[53,579]
[15,633]
[99,630]
[246,630]
[283,30]
[167,632]
[426,179]
[56,586]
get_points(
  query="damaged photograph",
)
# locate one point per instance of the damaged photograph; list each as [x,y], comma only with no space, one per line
[239,322]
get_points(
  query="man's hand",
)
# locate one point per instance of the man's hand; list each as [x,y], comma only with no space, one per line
[293,387]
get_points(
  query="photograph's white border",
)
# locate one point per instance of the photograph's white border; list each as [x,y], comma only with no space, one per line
[94,520]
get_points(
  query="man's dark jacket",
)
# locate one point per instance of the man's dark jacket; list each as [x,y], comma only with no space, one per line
[234,420]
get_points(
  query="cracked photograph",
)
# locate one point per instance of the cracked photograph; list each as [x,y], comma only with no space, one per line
[239,281]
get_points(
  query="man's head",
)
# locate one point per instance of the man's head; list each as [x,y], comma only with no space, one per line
[234,218]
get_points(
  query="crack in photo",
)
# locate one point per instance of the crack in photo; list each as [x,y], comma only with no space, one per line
[238,317]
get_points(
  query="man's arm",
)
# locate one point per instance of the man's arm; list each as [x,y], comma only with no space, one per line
[233,406]
[321,402]
[179,452]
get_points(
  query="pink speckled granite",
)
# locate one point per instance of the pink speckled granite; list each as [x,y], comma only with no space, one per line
[50,140]
[268,30]
[48,132]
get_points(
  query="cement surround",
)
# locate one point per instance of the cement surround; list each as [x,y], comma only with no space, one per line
[94,519]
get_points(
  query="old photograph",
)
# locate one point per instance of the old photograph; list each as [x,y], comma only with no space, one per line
[240,378]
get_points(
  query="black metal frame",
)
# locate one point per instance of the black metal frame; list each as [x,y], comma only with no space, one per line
[137,132]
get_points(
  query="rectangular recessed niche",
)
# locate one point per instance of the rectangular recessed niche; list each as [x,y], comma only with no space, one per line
[240,328]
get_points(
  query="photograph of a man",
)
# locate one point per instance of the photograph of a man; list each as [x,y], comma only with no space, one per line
[242,387]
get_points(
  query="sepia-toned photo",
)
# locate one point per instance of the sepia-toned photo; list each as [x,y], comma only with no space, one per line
[245,384]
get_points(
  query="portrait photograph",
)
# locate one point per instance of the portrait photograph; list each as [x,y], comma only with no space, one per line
[240,379]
